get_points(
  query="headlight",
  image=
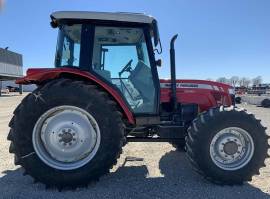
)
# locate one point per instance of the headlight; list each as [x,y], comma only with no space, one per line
[231,91]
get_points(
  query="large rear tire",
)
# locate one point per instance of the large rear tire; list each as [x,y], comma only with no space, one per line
[66,133]
[227,145]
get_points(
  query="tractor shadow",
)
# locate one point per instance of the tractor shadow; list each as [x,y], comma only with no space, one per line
[177,181]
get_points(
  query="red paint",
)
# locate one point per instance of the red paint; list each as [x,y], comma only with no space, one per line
[205,98]
[38,75]
[215,95]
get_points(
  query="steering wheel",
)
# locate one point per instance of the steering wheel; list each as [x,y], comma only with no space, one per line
[127,67]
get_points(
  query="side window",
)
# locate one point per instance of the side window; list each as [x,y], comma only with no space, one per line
[68,47]
[120,56]
[117,57]
[70,53]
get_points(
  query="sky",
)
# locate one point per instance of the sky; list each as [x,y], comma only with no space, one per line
[216,38]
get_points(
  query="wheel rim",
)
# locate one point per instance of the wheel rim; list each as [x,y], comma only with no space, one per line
[66,137]
[231,148]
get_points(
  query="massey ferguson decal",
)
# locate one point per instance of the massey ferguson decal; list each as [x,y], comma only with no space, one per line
[188,85]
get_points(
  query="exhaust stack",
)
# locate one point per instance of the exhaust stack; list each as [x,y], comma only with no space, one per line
[173,76]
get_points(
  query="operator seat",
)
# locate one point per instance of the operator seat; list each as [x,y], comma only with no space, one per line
[141,78]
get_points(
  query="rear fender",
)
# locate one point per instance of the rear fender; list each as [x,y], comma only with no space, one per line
[41,75]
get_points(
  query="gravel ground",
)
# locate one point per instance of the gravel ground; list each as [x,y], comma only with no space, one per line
[254,99]
[163,173]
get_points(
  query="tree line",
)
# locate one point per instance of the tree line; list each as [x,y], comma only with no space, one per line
[240,81]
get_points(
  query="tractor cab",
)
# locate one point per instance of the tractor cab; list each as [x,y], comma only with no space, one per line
[115,47]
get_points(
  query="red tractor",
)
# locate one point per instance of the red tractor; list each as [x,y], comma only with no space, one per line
[104,92]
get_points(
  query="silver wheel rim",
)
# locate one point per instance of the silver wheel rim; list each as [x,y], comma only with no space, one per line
[66,137]
[231,148]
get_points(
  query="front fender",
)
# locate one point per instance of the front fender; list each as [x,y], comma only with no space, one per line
[40,75]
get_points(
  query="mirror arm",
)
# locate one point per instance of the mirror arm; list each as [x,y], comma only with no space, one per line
[160,46]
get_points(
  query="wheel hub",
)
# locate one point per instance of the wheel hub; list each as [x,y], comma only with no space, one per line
[231,148]
[66,137]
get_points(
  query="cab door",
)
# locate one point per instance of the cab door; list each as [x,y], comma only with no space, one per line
[122,56]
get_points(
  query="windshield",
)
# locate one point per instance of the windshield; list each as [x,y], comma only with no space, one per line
[68,46]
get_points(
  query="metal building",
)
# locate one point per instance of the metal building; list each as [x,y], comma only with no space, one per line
[10,66]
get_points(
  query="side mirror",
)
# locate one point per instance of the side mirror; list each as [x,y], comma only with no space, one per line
[156,32]
[159,62]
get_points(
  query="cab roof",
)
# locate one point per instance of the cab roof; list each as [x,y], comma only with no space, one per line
[103,16]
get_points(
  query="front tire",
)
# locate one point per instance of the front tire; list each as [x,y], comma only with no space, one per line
[227,145]
[66,133]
